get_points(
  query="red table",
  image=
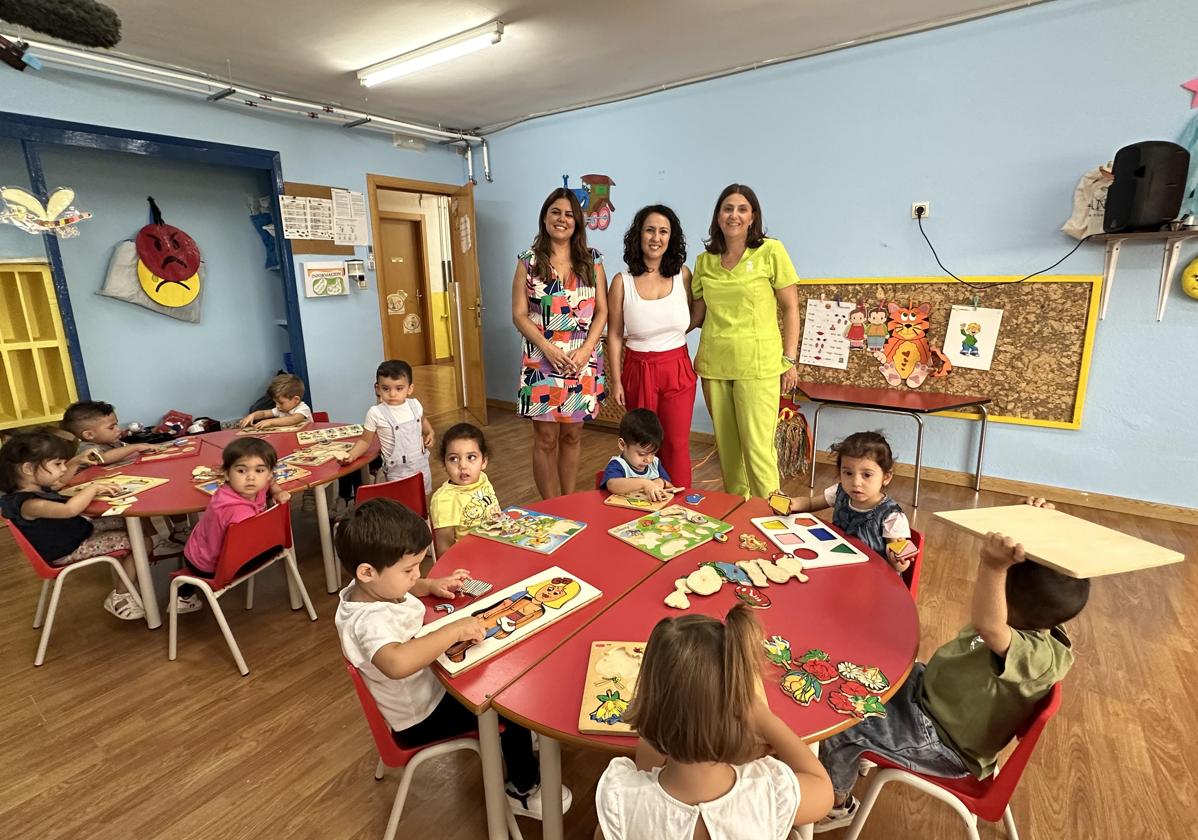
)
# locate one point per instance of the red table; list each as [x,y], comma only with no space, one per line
[862,613]
[908,402]
[592,555]
[180,496]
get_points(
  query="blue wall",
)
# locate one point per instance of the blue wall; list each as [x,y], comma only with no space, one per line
[992,121]
[342,336]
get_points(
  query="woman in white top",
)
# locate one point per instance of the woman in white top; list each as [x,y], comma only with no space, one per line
[702,770]
[649,315]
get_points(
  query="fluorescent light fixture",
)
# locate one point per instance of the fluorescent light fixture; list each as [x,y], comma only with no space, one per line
[447,49]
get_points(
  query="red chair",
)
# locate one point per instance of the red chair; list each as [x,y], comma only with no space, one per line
[393,754]
[911,575]
[599,479]
[244,541]
[409,492]
[58,574]
[320,417]
[971,798]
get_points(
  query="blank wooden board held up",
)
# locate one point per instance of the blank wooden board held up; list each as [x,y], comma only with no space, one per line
[1070,545]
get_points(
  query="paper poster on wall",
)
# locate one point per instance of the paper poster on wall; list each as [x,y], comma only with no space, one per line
[294,210]
[349,218]
[411,323]
[320,218]
[825,334]
[396,303]
[977,331]
[325,279]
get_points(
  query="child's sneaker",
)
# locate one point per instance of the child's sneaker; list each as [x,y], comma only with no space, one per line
[165,547]
[839,816]
[529,804]
[123,606]
[192,603]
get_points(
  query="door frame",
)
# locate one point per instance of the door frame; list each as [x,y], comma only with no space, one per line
[374,183]
[430,348]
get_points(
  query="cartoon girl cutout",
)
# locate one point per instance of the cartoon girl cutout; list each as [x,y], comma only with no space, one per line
[518,609]
[856,331]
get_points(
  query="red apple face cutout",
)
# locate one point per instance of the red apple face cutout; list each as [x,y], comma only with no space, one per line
[168,262]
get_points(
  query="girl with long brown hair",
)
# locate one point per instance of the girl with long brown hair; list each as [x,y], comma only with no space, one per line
[559,305]
[703,768]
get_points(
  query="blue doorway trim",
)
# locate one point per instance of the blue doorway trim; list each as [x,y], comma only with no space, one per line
[31,131]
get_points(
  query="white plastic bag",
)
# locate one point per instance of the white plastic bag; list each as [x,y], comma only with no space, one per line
[1089,202]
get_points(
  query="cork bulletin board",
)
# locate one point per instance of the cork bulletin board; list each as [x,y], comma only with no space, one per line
[1041,358]
[300,247]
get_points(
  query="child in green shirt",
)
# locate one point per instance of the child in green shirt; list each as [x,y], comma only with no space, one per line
[952,717]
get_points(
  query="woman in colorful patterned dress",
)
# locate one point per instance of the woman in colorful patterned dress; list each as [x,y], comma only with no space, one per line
[559,305]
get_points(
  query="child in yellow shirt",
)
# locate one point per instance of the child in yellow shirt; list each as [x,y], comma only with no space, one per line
[467,499]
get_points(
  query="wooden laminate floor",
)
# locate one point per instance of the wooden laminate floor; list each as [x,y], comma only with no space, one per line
[436,389]
[110,740]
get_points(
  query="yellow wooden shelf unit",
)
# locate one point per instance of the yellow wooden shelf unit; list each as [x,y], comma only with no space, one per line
[36,380]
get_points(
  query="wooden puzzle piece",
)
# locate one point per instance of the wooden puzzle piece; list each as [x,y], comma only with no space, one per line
[750,542]
[752,596]
[777,650]
[753,570]
[793,565]
[853,699]
[677,599]
[704,581]
[773,571]
[871,677]
[779,503]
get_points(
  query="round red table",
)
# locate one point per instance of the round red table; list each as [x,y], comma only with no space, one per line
[180,496]
[861,613]
[592,555]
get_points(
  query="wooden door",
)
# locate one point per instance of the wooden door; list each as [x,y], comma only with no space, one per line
[463,235]
[406,329]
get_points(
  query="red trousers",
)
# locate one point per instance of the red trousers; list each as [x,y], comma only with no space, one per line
[664,383]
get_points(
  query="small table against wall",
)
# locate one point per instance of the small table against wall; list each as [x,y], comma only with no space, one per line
[910,403]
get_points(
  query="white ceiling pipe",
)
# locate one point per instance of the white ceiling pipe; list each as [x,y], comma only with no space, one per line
[107,65]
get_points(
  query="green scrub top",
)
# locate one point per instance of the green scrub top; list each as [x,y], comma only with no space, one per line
[740,337]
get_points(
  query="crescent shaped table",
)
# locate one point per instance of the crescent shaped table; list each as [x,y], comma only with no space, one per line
[606,563]
[860,613]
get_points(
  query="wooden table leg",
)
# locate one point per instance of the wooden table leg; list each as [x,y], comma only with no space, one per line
[492,760]
[145,580]
[551,789]
[332,575]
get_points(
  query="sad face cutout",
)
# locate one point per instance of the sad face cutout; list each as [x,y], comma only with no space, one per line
[168,262]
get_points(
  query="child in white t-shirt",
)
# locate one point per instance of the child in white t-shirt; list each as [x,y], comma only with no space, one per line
[287,390]
[701,756]
[860,506]
[467,499]
[398,420]
[381,544]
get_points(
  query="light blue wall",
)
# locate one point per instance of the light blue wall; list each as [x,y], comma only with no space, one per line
[993,122]
[342,336]
[13,241]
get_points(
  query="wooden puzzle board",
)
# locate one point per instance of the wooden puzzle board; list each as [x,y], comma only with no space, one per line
[1070,545]
[120,485]
[635,501]
[669,532]
[813,542]
[270,430]
[608,687]
[513,614]
[330,434]
[318,453]
[543,533]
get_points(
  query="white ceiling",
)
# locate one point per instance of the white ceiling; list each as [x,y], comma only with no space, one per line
[554,55]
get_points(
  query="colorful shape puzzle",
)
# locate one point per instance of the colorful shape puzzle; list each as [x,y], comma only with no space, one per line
[810,540]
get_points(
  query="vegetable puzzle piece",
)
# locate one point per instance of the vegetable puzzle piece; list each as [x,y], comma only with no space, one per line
[752,596]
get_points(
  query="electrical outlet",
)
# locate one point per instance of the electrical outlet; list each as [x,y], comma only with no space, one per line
[925,206]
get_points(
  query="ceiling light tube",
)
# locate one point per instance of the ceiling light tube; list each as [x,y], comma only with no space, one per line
[447,49]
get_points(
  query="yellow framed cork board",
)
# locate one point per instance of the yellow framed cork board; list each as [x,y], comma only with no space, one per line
[1041,358]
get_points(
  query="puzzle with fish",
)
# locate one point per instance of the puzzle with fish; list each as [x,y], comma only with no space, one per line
[669,532]
[808,539]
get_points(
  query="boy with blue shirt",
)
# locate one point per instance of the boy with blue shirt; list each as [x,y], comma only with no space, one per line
[637,470]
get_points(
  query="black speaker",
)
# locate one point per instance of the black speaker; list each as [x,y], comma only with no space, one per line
[1150,179]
